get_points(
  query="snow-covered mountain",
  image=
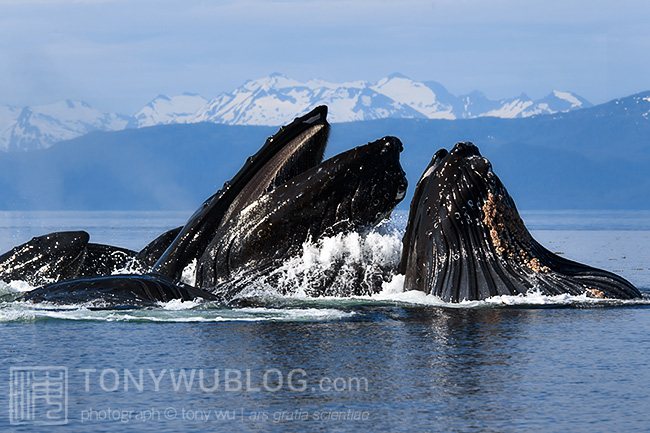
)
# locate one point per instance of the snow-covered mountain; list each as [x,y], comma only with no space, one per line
[164,110]
[8,117]
[273,101]
[40,127]
[277,99]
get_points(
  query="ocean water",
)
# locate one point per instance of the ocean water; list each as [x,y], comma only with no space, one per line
[390,362]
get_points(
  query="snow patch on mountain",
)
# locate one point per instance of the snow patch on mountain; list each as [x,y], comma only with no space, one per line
[42,126]
[522,106]
[8,117]
[417,96]
[164,110]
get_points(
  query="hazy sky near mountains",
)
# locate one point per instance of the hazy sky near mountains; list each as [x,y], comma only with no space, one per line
[119,54]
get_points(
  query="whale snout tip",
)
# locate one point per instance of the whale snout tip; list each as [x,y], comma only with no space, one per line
[392,144]
[465,149]
[315,115]
[467,154]
[465,146]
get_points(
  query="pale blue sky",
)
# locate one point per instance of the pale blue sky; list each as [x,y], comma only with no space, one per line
[119,54]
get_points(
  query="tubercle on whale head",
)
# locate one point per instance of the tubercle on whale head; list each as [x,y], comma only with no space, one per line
[464,171]
[460,188]
[494,207]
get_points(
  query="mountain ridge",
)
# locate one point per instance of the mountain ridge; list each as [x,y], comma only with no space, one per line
[594,158]
[273,101]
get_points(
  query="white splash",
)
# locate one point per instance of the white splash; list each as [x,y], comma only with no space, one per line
[189,273]
[16,286]
[532,299]
[393,287]
[341,265]
[178,304]
[132,267]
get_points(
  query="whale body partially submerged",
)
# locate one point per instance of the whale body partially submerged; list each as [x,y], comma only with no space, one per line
[63,256]
[465,240]
[283,196]
[347,193]
[113,291]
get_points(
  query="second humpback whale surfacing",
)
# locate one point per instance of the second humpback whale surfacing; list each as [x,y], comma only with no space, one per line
[349,192]
[465,240]
[297,147]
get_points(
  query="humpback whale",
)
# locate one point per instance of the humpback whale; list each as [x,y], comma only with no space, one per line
[349,192]
[295,148]
[282,197]
[62,256]
[113,291]
[465,240]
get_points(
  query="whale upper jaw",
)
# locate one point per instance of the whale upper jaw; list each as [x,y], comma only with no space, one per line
[465,240]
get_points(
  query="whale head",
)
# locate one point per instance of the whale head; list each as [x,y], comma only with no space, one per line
[47,258]
[465,240]
[292,150]
[348,192]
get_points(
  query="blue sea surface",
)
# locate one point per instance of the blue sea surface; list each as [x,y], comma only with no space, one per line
[398,362]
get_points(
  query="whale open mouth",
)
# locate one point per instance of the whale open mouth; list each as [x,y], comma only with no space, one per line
[349,192]
[292,150]
[465,240]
